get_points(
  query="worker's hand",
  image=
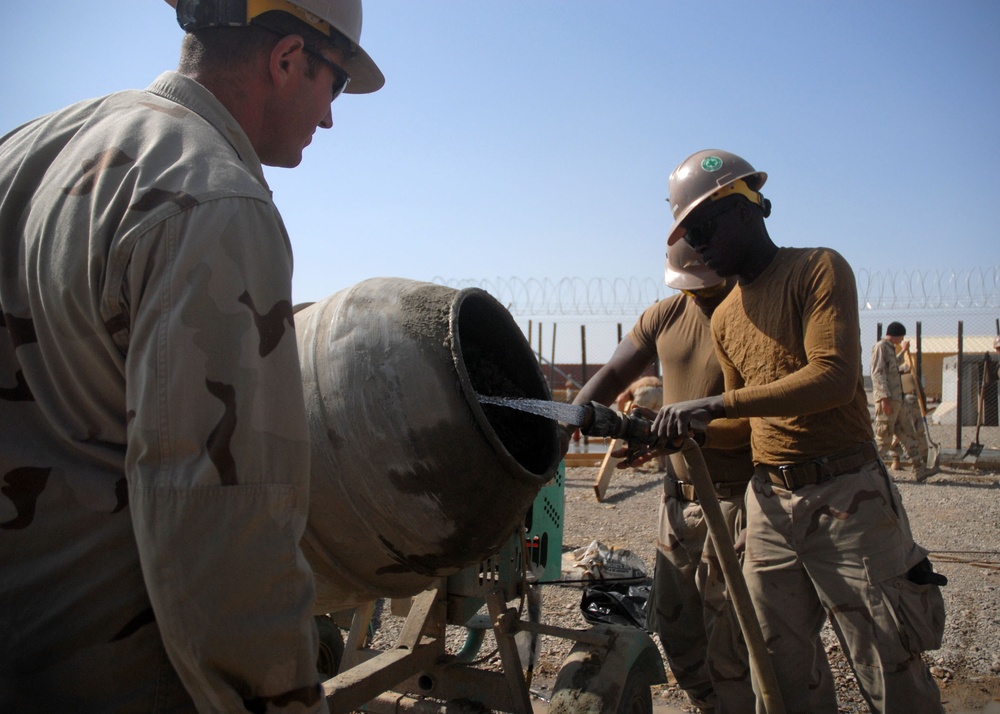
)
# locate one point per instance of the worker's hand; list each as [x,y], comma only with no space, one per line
[885,404]
[741,542]
[904,346]
[636,453]
[633,455]
[682,419]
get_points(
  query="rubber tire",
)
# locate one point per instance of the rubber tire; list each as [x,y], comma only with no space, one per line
[331,647]
[637,698]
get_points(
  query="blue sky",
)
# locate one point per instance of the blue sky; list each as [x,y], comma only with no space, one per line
[533,139]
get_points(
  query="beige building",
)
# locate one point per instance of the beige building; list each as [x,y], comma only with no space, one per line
[934,350]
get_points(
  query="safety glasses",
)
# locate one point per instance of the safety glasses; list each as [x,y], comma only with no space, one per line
[340,78]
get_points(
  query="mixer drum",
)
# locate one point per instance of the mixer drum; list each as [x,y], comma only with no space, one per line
[411,479]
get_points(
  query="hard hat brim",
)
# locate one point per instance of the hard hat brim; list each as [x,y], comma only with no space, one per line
[366,77]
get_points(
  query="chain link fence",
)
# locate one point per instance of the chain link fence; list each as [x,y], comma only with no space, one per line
[951,317]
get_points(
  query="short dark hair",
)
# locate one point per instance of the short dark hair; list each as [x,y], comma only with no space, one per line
[227,48]
[895,329]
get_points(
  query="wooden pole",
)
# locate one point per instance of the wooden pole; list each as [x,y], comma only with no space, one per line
[690,460]
[552,364]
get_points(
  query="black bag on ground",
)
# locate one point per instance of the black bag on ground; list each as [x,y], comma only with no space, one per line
[616,604]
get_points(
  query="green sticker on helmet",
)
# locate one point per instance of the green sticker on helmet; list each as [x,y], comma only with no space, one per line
[711,163]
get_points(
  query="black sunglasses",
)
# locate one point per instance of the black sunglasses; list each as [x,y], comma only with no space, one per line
[701,233]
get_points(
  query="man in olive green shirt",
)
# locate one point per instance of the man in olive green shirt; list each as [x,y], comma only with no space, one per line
[689,609]
[827,534]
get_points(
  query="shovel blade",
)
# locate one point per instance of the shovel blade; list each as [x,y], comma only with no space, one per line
[933,456]
[971,454]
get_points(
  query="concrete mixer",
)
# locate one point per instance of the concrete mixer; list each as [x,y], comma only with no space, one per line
[420,494]
[411,479]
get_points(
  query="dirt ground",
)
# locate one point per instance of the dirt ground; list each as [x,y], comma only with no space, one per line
[967,668]
[956,514]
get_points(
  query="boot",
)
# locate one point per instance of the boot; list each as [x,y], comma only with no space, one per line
[922,473]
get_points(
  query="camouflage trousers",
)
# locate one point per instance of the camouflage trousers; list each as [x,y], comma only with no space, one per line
[690,612]
[899,425]
[842,550]
[911,411]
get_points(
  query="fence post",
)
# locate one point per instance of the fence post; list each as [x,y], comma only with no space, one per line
[583,361]
[552,364]
[540,358]
[958,391]
[920,358]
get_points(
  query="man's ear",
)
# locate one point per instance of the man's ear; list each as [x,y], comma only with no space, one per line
[285,54]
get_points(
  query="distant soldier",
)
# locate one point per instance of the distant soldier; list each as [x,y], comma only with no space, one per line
[892,419]
[911,408]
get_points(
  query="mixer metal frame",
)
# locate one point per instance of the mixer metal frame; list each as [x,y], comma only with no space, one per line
[610,668]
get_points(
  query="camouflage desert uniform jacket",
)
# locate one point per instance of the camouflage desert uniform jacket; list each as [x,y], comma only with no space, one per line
[153,449]
[886,382]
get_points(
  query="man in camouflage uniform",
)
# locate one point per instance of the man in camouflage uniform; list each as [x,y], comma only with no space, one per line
[689,607]
[893,417]
[154,455]
[827,537]
[911,409]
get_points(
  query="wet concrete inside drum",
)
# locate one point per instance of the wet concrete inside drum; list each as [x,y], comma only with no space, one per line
[500,363]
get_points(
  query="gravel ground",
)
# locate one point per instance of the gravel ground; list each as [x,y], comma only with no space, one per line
[955,514]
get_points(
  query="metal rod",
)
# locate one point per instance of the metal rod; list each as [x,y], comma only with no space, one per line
[959,401]
[920,354]
[583,363]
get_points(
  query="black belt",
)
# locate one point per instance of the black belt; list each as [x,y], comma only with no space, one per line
[809,473]
[683,491]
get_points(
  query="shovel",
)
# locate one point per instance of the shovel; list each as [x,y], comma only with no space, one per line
[971,454]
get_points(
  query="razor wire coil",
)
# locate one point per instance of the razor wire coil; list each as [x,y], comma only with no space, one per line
[972,289]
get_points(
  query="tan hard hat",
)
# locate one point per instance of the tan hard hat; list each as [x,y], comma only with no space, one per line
[703,174]
[344,16]
[685,270]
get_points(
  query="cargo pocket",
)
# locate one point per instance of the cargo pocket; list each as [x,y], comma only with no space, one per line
[913,601]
